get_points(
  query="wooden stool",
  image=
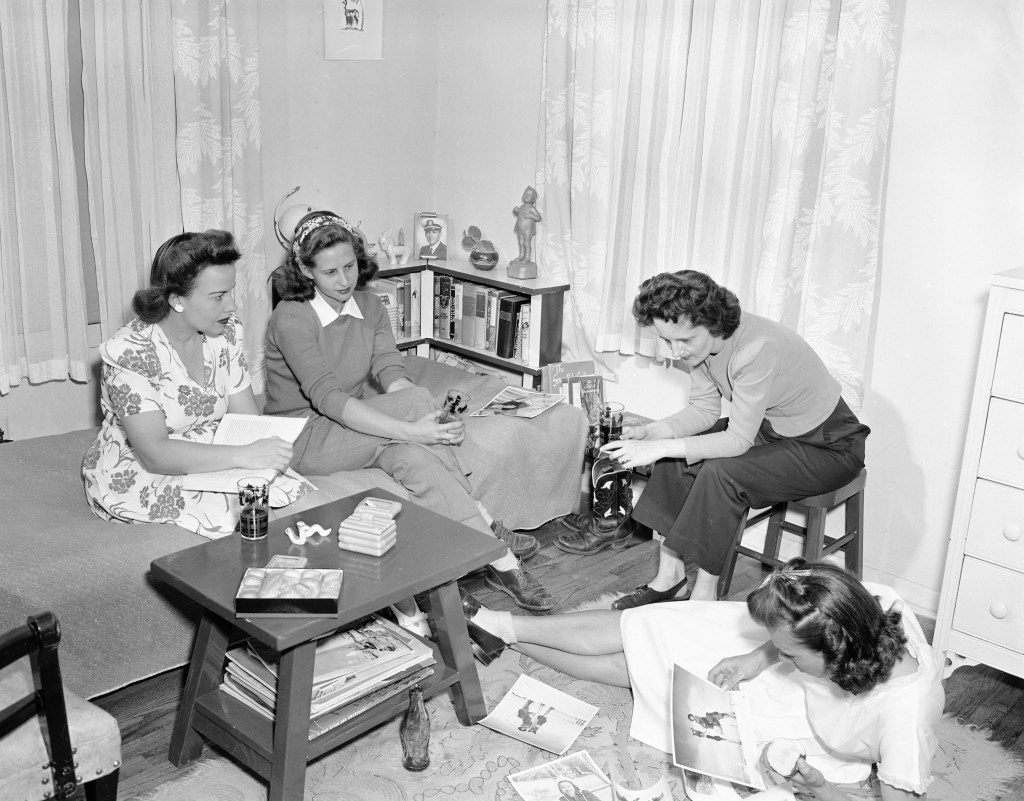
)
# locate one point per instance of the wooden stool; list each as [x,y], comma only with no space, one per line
[816,545]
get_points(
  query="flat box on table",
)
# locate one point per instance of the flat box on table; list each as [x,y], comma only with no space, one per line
[288,605]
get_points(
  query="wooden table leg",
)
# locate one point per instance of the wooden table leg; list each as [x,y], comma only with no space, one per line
[291,725]
[453,642]
[204,674]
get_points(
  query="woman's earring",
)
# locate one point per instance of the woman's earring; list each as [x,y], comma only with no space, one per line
[179,308]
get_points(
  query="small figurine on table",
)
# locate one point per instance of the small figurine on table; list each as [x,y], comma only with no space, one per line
[527,218]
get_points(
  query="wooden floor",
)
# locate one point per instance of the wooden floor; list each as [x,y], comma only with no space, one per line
[146,710]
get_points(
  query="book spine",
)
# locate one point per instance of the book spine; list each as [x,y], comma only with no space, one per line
[492,320]
[481,317]
[458,288]
[469,314]
[416,280]
[445,295]
[506,332]
[402,307]
[437,307]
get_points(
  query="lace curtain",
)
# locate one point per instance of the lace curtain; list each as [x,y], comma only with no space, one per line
[42,292]
[172,139]
[216,78]
[747,140]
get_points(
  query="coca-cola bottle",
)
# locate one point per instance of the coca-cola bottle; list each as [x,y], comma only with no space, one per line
[415,732]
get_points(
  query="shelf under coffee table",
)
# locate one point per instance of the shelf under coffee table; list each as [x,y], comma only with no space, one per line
[431,553]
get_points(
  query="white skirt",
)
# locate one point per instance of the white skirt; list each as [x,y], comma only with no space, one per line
[697,635]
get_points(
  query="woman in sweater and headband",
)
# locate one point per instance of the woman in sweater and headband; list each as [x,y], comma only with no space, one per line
[327,343]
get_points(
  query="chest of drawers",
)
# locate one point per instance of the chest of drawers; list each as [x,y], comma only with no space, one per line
[981,608]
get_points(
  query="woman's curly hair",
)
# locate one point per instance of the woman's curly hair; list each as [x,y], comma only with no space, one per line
[176,267]
[289,280]
[689,294]
[830,611]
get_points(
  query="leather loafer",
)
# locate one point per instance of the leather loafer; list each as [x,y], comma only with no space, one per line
[523,546]
[644,595]
[598,534]
[523,588]
[486,646]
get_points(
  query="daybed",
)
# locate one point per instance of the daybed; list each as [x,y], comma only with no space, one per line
[119,626]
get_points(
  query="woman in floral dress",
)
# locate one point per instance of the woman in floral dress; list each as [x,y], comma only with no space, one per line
[169,376]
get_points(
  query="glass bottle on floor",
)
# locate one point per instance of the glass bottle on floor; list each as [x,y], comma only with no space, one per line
[414,732]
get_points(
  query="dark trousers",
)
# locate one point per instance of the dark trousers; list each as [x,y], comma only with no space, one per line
[698,508]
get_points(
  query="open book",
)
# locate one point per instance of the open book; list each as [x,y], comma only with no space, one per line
[242,429]
[712,730]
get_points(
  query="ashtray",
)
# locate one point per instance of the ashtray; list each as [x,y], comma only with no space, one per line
[284,592]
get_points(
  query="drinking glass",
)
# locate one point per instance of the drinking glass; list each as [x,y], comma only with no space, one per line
[611,422]
[456,401]
[254,503]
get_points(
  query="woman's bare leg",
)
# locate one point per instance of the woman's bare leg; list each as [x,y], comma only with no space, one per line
[605,668]
[590,633]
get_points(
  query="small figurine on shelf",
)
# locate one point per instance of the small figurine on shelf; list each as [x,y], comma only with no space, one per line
[396,252]
[527,218]
[414,732]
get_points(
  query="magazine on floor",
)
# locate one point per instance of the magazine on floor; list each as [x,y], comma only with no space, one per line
[712,730]
[540,715]
[518,402]
[572,776]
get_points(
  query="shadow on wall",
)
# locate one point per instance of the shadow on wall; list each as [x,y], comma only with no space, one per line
[896,540]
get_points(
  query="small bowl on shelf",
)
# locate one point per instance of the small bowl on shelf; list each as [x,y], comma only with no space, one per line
[483,260]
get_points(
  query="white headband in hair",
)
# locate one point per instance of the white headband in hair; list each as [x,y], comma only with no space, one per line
[307,227]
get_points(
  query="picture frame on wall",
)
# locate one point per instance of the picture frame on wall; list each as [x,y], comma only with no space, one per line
[430,236]
[354,30]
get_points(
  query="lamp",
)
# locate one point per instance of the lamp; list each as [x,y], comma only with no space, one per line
[285,222]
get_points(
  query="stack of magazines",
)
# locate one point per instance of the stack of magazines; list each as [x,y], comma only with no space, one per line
[353,671]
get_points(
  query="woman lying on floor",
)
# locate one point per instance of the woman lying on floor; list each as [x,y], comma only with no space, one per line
[843,671]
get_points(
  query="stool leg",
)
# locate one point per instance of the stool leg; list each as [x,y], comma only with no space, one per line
[725,579]
[855,530]
[773,538]
[814,542]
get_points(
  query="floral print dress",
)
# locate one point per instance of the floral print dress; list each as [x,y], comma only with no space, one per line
[142,373]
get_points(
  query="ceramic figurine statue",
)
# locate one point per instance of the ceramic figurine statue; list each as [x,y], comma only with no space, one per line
[527,217]
[396,253]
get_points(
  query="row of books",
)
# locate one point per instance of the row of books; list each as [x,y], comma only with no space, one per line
[401,297]
[353,671]
[488,319]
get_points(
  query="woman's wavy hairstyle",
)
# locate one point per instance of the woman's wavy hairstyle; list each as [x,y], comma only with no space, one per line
[289,280]
[689,294]
[831,612]
[177,265]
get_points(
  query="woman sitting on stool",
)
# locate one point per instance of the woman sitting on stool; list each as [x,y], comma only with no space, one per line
[789,435]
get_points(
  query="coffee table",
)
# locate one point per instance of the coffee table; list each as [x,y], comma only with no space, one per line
[431,553]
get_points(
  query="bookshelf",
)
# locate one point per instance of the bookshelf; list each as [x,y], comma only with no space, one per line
[542,306]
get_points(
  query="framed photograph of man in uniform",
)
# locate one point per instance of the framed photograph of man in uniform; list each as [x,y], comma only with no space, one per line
[430,237]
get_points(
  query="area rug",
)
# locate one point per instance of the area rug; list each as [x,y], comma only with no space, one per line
[474,762]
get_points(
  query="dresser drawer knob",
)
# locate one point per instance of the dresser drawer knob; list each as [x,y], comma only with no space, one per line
[1012,532]
[998,611]
[1020,451]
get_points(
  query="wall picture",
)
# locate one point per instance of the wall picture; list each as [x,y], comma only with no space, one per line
[354,30]
[431,236]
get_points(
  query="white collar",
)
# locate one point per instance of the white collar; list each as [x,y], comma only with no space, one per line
[326,312]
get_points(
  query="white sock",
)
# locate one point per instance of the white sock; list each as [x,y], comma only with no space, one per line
[484,513]
[507,562]
[497,623]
